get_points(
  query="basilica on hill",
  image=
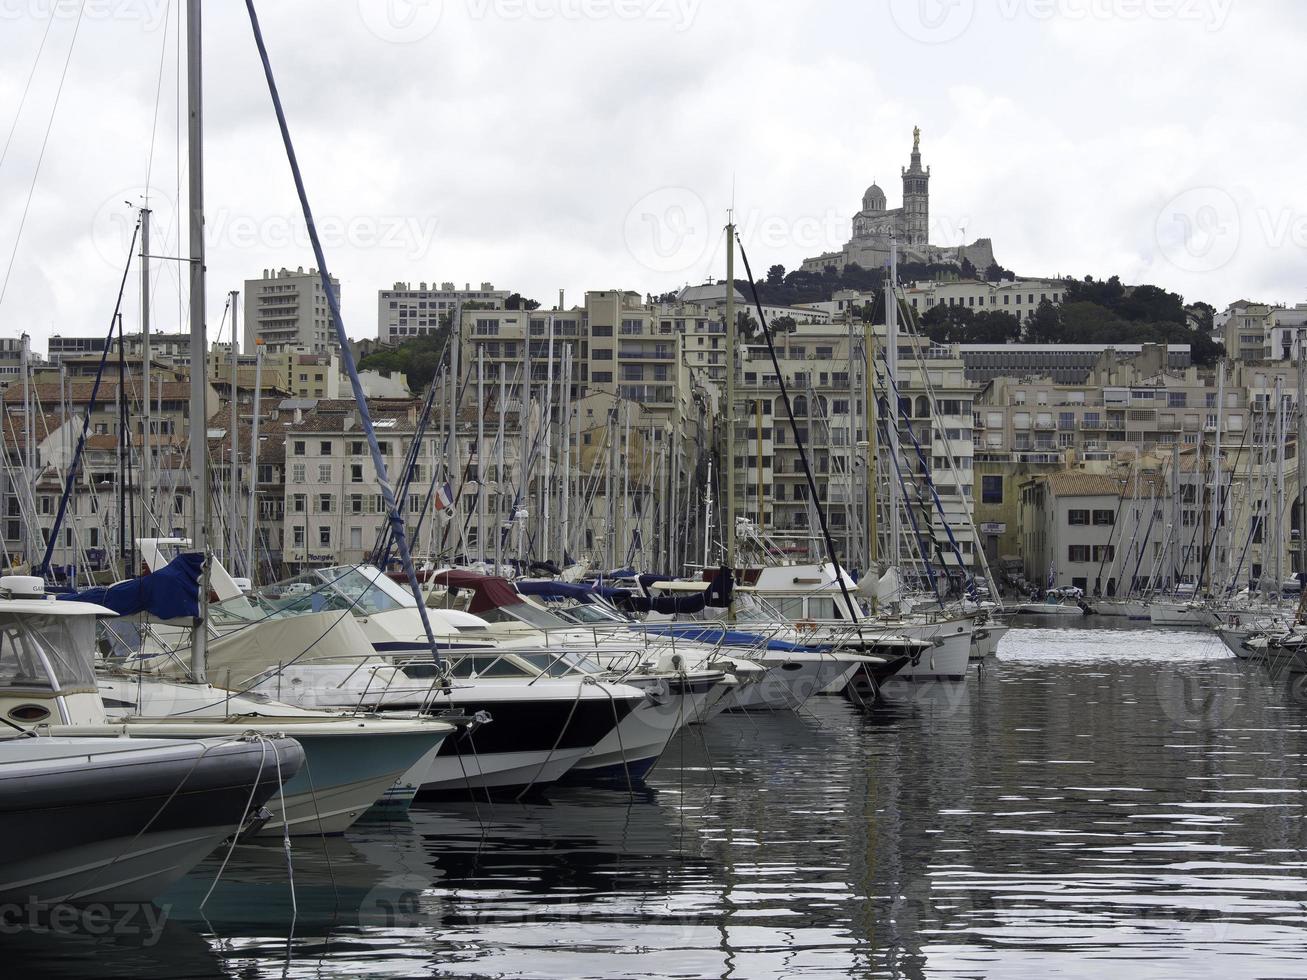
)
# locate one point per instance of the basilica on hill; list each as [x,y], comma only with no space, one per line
[875,225]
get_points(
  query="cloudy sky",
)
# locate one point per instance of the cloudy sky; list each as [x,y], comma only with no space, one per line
[586,144]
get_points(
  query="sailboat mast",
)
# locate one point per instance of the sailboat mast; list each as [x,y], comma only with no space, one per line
[728,524]
[1212,566]
[251,559]
[891,400]
[1277,498]
[546,489]
[1301,451]
[198,410]
[147,443]
[565,516]
[234,467]
[481,450]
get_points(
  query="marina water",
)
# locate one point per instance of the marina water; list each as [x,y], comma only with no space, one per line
[1092,802]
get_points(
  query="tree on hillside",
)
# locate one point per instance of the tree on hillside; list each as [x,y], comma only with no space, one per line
[962,325]
[418,358]
[776,276]
[782,324]
[1044,326]
[517,302]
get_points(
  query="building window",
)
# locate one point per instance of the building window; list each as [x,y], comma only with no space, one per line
[324,535]
[991,489]
[324,448]
[297,473]
[298,447]
[356,473]
[1104,518]
[1077,553]
[324,503]
[1078,518]
[324,473]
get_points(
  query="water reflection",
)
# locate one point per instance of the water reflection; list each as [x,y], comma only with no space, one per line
[1090,802]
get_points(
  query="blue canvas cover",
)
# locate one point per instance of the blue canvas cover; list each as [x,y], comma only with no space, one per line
[173,592]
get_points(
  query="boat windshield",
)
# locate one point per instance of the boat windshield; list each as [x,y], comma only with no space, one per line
[49,653]
[561,663]
[591,613]
[329,590]
[524,612]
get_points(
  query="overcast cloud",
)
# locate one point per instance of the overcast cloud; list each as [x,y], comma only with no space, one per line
[587,144]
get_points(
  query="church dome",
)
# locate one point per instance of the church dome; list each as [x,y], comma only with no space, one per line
[874,199]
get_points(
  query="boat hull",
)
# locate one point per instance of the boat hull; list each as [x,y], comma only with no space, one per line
[124,823]
[631,750]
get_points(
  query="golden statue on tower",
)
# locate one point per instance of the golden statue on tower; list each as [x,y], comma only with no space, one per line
[916,139]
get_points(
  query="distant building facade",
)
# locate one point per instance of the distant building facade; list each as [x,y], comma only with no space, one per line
[405,312]
[289,311]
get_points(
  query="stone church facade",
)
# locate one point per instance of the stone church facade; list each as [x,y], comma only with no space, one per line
[875,226]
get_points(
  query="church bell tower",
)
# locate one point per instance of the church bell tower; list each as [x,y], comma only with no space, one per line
[916,196]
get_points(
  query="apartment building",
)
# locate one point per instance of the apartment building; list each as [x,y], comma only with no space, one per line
[1020,297]
[405,312]
[1064,363]
[333,509]
[1160,520]
[1124,403]
[289,311]
[825,370]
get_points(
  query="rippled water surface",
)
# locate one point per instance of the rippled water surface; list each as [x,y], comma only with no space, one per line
[1090,803]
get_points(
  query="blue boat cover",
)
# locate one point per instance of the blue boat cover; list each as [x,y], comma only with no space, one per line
[718,635]
[173,592]
[549,589]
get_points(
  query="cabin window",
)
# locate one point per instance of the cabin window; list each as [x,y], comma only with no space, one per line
[29,642]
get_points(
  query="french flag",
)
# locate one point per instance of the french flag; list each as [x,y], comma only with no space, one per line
[444,497]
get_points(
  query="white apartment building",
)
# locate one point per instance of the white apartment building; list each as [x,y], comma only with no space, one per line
[1246,330]
[1020,297]
[404,312]
[1286,332]
[289,311]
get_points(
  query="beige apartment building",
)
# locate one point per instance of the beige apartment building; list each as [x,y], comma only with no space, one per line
[289,310]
